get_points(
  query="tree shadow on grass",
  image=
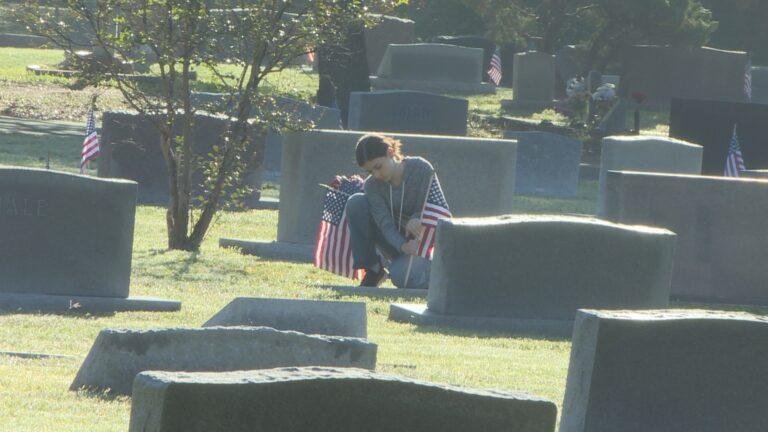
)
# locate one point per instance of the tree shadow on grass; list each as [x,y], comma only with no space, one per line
[490,333]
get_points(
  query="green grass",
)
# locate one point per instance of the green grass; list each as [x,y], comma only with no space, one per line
[34,394]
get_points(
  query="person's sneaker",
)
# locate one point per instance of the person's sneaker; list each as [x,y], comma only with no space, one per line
[374,279]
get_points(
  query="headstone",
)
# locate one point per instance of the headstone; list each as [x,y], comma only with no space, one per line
[435,68]
[408,112]
[387,30]
[533,82]
[315,157]
[547,163]
[710,124]
[326,399]
[720,223]
[508,51]
[648,154]
[662,73]
[486,45]
[665,371]
[760,85]
[566,67]
[298,111]
[118,355]
[611,79]
[130,148]
[64,236]
[615,120]
[332,318]
[539,269]
[71,235]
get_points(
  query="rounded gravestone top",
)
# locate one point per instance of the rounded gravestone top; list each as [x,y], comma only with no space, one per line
[552,219]
[647,139]
[674,314]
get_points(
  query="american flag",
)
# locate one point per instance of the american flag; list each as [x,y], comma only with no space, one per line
[435,208]
[333,249]
[494,71]
[734,163]
[748,81]
[90,144]
[311,57]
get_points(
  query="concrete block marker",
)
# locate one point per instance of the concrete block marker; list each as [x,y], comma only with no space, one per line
[333,318]
[667,370]
[539,270]
[326,399]
[118,355]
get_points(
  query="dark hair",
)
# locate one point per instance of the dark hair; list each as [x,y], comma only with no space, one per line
[372,146]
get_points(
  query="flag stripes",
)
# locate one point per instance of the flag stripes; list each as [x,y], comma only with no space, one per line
[90,144]
[435,208]
[734,162]
[494,71]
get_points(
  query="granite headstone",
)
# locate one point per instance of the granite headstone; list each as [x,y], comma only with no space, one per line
[408,112]
[547,163]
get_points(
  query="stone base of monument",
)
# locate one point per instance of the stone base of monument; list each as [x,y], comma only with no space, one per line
[271,249]
[326,399]
[526,104]
[84,304]
[421,315]
[376,291]
[453,87]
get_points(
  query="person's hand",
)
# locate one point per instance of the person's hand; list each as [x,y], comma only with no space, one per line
[410,247]
[414,228]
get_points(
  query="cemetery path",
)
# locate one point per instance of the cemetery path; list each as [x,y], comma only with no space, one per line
[40,127]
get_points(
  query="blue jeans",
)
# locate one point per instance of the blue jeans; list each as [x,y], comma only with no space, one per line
[366,238]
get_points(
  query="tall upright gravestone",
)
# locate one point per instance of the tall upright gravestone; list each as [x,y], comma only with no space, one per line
[66,237]
[533,81]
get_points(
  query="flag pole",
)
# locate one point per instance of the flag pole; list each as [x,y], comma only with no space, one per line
[410,261]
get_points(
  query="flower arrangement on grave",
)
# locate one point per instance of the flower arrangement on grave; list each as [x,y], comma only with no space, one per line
[603,99]
[574,104]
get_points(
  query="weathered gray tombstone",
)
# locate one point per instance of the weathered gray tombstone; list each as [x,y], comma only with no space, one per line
[615,120]
[332,318]
[118,355]
[319,117]
[407,112]
[329,399]
[387,30]
[472,41]
[720,223]
[547,163]
[760,84]
[67,239]
[667,371]
[533,82]
[533,272]
[130,148]
[435,68]
[647,153]
[663,72]
[315,157]
[567,64]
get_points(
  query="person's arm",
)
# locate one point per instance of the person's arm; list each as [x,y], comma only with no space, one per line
[382,215]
